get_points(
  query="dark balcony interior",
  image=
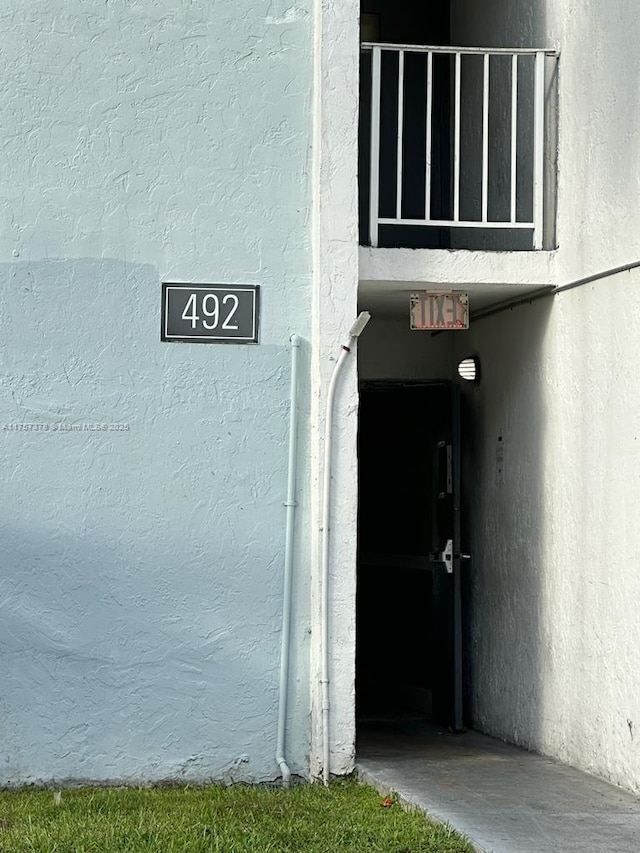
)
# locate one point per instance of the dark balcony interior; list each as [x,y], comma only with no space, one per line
[405,22]
[491,210]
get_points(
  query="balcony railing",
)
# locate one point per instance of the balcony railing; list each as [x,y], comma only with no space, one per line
[457,139]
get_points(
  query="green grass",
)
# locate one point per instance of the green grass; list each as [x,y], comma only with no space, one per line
[345,818]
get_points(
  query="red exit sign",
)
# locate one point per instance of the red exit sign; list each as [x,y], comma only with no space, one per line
[440,310]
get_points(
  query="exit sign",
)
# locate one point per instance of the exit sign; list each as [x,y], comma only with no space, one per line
[439,310]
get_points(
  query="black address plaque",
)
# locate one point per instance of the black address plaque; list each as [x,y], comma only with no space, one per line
[210,313]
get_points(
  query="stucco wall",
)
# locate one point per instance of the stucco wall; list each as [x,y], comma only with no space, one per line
[141,584]
[555,635]
[335,290]
[599,124]
[598,176]
[554,631]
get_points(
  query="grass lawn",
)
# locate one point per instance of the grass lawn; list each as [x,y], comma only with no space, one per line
[345,818]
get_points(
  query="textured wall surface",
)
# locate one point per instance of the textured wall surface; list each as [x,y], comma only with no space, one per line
[141,581]
[598,172]
[599,125]
[334,310]
[555,634]
[554,624]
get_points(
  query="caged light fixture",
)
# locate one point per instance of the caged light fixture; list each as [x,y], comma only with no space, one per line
[469,369]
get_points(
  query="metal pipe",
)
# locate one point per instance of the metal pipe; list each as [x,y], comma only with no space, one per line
[290,504]
[354,334]
[533,296]
[588,279]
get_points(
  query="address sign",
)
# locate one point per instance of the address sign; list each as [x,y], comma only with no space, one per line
[210,313]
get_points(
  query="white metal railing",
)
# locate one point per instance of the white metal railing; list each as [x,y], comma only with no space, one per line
[528,87]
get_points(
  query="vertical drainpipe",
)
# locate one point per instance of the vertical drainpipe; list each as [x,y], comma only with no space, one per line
[354,334]
[290,504]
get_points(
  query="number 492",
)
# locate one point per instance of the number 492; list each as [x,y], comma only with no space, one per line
[213,310]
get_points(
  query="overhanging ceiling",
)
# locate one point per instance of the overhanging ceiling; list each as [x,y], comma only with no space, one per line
[390,299]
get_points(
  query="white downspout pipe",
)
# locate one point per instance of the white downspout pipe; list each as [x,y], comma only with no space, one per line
[290,504]
[354,334]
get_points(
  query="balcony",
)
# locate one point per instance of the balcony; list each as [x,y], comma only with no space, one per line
[457,147]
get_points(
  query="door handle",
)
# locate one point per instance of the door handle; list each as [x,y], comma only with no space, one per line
[447,556]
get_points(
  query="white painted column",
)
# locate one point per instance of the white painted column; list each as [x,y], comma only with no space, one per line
[335,286]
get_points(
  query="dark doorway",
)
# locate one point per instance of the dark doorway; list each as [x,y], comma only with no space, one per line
[409,609]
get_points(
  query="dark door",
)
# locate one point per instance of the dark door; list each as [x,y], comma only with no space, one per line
[448,554]
[409,609]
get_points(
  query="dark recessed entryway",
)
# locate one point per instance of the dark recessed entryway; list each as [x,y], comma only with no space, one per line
[408,642]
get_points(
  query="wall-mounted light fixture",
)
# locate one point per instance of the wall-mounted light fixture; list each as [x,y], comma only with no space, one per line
[469,369]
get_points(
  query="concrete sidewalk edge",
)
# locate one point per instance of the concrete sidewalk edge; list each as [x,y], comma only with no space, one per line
[411,805]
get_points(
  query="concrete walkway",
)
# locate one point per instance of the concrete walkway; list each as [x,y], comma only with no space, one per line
[506,800]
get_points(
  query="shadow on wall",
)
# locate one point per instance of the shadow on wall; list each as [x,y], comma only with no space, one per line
[115,672]
[504,479]
[141,588]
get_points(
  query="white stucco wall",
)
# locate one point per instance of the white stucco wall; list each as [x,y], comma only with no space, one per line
[335,289]
[554,632]
[141,583]
[554,629]
[599,171]
[555,635]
